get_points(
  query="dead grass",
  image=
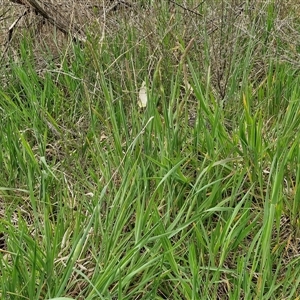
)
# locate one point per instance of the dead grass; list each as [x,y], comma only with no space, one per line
[53,24]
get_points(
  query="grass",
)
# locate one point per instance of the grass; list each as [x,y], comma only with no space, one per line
[195,196]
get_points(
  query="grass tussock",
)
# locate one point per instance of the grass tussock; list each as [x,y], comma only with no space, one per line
[195,196]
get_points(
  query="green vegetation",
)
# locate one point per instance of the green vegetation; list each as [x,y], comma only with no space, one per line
[195,196]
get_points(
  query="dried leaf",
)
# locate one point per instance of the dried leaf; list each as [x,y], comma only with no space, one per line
[142,101]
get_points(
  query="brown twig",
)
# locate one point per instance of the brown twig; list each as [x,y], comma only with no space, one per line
[185,8]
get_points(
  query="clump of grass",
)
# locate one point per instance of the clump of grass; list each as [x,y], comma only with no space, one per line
[193,197]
